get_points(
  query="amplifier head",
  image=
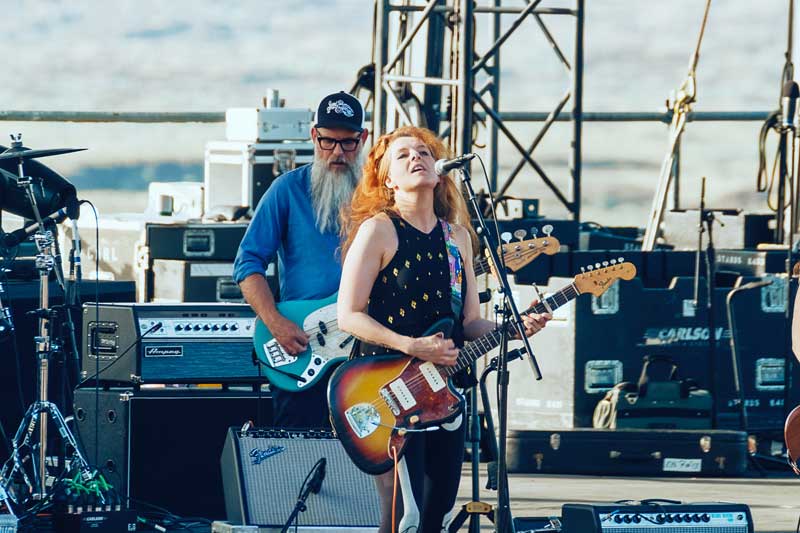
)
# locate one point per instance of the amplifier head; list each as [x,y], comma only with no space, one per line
[657,516]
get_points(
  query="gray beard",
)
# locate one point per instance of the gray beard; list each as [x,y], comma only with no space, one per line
[332,190]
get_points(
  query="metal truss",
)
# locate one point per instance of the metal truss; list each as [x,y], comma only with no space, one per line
[444,90]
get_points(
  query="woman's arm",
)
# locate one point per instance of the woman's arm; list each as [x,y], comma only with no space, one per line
[373,247]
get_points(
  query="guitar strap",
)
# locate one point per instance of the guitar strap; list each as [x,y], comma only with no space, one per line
[456,269]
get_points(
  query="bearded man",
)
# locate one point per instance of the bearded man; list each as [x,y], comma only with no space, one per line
[297,219]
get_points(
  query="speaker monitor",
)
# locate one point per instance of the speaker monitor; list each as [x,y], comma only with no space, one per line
[162,446]
[263,472]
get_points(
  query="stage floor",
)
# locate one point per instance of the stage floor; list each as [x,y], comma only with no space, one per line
[774,501]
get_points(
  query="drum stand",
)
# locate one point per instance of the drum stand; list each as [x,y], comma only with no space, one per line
[38,413]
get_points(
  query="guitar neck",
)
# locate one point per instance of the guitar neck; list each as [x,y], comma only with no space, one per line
[484,344]
[480,266]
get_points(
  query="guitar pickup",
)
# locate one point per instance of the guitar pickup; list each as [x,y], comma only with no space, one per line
[389,399]
[347,341]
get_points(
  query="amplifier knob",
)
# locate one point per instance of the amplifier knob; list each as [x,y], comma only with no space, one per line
[206,328]
[695,517]
[234,327]
[224,327]
[637,519]
[214,327]
[687,518]
[618,519]
[178,328]
[196,327]
[669,519]
[705,518]
[627,518]
[678,518]
[660,518]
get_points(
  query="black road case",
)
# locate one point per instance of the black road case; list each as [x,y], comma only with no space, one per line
[628,452]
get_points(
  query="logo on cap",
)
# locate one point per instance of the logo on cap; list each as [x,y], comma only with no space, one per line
[340,107]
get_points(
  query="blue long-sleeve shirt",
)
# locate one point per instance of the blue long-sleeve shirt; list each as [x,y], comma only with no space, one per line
[309,266]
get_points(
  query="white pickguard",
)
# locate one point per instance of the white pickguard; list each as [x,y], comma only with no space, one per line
[333,338]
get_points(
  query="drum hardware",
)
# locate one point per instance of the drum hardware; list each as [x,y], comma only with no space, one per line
[38,193]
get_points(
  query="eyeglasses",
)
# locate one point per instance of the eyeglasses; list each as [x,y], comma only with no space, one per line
[329,143]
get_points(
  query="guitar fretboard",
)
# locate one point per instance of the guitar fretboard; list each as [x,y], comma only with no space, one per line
[481,266]
[484,344]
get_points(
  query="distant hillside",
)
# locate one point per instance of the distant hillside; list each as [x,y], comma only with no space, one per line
[134,176]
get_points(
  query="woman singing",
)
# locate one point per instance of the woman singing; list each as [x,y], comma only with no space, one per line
[408,263]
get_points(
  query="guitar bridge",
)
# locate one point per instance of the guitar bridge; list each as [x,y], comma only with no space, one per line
[276,356]
[389,399]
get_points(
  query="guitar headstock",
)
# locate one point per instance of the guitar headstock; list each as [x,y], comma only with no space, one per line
[596,279]
[518,254]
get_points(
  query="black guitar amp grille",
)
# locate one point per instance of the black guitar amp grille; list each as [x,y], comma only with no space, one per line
[177,343]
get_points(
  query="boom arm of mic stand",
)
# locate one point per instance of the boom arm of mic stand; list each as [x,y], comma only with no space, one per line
[500,276]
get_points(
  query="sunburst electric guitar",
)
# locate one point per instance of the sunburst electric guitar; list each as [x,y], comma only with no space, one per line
[328,345]
[377,401]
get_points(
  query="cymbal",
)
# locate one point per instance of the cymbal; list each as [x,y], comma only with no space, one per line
[27,153]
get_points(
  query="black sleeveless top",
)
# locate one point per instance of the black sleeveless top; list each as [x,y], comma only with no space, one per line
[413,291]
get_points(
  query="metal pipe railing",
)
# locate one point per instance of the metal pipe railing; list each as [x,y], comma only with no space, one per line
[147,117]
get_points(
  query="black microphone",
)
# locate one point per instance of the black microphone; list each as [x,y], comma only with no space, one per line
[789,104]
[17,236]
[755,284]
[443,166]
[319,475]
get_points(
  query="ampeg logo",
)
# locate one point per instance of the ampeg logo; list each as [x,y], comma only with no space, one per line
[259,456]
[163,351]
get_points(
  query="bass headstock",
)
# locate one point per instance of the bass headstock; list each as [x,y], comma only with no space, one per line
[596,279]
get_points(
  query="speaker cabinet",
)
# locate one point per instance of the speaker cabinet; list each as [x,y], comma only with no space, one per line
[263,472]
[162,447]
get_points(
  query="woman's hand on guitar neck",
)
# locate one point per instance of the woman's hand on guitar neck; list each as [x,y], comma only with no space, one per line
[433,348]
[534,322]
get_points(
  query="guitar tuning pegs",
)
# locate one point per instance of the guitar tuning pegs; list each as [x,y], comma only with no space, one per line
[589,268]
[583,270]
[613,261]
[621,260]
[597,265]
[605,263]
[534,231]
[520,234]
[547,229]
[506,236]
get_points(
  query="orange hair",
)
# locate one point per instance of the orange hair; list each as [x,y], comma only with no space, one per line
[371,195]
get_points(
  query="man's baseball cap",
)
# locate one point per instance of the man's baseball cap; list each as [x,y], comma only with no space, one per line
[340,110]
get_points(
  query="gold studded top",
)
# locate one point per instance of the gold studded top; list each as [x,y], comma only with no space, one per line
[413,291]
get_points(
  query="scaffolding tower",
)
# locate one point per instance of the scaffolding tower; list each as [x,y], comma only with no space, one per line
[428,72]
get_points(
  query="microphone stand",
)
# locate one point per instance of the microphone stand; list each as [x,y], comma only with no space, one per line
[706,221]
[511,319]
[308,487]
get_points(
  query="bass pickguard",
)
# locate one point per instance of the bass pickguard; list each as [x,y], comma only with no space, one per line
[335,343]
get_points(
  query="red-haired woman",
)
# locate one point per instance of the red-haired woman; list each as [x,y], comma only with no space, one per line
[407,263]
